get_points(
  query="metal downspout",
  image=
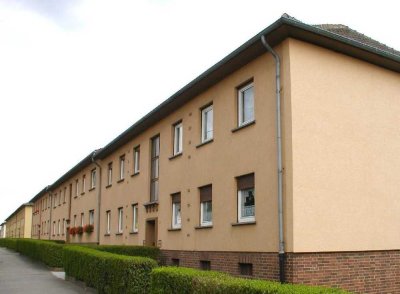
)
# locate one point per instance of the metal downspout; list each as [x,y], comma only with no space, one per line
[98,198]
[282,255]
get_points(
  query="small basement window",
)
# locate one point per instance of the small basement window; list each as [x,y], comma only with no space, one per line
[205,265]
[246,269]
[175,261]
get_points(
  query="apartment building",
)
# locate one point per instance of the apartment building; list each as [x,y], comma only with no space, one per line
[19,223]
[275,163]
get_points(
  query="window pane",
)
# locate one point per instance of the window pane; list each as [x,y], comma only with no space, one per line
[247,204]
[248,104]
[207,211]
[177,214]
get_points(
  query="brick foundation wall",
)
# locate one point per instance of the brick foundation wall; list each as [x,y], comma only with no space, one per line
[265,265]
[359,272]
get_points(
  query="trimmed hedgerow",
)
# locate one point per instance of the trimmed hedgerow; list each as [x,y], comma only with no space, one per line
[108,272]
[48,252]
[144,251]
[8,243]
[184,281]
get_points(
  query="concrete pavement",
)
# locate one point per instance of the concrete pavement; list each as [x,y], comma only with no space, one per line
[19,274]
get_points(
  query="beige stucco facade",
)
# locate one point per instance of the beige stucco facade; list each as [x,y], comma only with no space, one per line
[19,224]
[345,144]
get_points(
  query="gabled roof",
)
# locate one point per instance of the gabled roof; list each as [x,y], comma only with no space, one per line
[335,37]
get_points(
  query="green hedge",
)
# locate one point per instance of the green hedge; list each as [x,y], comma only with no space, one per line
[144,251]
[46,251]
[186,281]
[108,272]
[8,243]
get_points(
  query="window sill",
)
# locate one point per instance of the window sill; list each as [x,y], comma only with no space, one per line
[135,174]
[83,193]
[174,229]
[120,180]
[108,186]
[203,227]
[245,125]
[205,143]
[118,234]
[151,203]
[76,196]
[133,233]
[244,223]
[107,235]
[91,189]
[176,155]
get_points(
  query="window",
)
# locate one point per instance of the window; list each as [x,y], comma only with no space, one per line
[206,205]
[83,183]
[207,123]
[65,195]
[75,220]
[205,265]
[109,179]
[136,160]
[108,218]
[59,228]
[246,269]
[246,200]
[135,226]
[76,188]
[122,167]
[175,261]
[120,223]
[93,179]
[59,198]
[64,229]
[155,165]
[178,138]
[246,104]
[91,217]
[54,228]
[82,219]
[176,211]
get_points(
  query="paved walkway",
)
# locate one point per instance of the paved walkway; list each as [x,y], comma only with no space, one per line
[19,274]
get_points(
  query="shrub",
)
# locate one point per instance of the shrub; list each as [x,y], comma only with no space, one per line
[8,243]
[108,272]
[184,281]
[48,252]
[144,251]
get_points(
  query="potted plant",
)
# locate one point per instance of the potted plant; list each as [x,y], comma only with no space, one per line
[72,231]
[88,229]
[79,230]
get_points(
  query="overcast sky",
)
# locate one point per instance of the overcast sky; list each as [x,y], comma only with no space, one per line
[75,74]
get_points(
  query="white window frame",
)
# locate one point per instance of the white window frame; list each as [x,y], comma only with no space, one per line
[93,179]
[91,217]
[54,228]
[82,219]
[178,138]
[175,223]
[59,228]
[110,171]
[76,187]
[120,220]
[204,124]
[242,219]
[108,218]
[135,220]
[136,160]
[75,220]
[64,226]
[241,106]
[83,183]
[202,222]
[122,167]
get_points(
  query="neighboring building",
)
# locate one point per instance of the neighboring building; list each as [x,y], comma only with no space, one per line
[3,229]
[199,175]
[19,223]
